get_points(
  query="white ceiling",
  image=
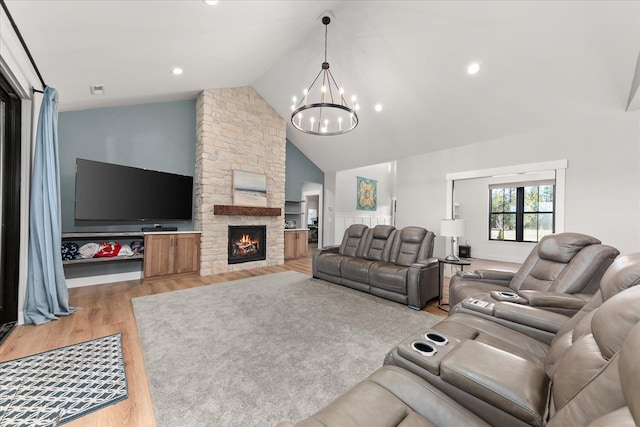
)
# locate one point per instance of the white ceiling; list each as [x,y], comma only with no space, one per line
[544,63]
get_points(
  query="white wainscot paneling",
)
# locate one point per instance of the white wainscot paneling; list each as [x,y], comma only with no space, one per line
[344,220]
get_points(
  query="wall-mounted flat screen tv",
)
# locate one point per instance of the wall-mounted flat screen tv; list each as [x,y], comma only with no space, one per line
[109,192]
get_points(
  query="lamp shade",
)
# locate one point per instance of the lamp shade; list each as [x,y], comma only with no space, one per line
[453,227]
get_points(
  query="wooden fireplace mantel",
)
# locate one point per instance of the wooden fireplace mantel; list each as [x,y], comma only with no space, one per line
[246,210]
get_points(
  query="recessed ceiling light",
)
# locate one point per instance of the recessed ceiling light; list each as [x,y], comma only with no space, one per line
[378,107]
[473,68]
[211,2]
[176,71]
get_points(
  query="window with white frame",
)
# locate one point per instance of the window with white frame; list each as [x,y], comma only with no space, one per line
[521,212]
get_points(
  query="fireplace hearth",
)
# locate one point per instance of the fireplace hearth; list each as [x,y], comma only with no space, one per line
[247,243]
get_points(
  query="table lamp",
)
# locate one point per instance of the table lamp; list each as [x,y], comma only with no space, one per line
[453,228]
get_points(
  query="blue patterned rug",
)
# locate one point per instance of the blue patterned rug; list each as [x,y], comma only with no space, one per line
[57,386]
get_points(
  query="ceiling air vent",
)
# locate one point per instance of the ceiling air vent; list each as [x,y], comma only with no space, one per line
[97,89]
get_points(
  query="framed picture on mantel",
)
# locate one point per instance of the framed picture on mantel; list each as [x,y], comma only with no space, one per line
[249,189]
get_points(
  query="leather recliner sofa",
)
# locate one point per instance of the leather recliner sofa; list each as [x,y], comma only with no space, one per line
[512,324]
[560,274]
[394,264]
[503,375]
[588,376]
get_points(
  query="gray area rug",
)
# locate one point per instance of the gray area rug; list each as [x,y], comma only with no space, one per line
[254,352]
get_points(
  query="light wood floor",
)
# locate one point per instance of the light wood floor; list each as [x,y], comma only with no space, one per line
[107,309]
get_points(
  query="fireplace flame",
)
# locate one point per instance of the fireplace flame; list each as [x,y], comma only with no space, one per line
[245,246]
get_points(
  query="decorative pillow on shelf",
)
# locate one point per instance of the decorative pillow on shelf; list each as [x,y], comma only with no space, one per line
[137,246]
[125,250]
[70,250]
[88,250]
[107,250]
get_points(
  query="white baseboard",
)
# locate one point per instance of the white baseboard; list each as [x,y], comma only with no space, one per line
[100,280]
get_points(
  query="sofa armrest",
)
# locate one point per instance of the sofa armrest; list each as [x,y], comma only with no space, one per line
[554,299]
[493,276]
[511,383]
[333,248]
[530,316]
[422,282]
[426,263]
[321,251]
[496,275]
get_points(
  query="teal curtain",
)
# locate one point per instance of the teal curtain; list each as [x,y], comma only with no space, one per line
[47,296]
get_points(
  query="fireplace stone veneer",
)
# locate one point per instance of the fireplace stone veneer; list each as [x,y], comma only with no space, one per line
[237,130]
[247,243]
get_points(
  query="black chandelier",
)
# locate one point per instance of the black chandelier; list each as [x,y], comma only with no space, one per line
[319,112]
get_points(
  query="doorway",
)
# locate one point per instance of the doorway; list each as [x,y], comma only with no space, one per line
[312,195]
[10,210]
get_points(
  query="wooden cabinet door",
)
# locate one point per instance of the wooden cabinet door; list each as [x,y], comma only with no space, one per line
[290,238]
[158,255]
[302,243]
[187,253]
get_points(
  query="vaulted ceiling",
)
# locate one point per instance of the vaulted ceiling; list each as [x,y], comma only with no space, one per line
[543,63]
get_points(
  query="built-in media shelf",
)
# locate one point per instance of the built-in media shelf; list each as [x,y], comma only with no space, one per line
[82,238]
[165,252]
[93,260]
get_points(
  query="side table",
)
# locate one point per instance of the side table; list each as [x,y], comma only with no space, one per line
[441,263]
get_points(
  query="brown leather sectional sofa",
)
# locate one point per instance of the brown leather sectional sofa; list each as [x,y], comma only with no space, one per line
[394,264]
[471,371]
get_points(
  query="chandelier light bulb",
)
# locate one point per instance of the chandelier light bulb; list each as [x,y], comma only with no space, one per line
[295,98]
[305,92]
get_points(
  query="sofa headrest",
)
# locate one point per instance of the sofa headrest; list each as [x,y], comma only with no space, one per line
[630,372]
[562,247]
[382,231]
[622,274]
[412,234]
[357,230]
[614,319]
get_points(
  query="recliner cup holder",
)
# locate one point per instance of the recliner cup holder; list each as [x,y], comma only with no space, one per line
[436,338]
[508,294]
[423,348]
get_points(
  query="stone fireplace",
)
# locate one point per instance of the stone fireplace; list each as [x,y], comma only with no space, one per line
[247,243]
[237,130]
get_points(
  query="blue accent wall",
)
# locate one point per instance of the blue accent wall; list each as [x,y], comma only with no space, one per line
[298,170]
[159,137]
